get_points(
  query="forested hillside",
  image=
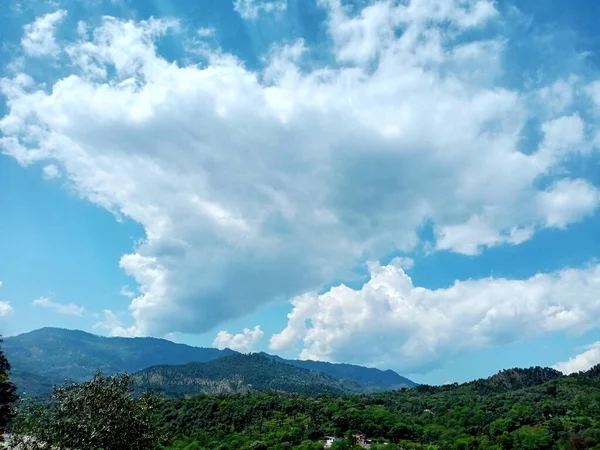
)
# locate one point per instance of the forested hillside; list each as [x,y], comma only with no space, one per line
[371,379]
[531,409]
[543,410]
[239,373]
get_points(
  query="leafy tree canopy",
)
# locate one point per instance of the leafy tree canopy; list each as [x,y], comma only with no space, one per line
[98,414]
[7,392]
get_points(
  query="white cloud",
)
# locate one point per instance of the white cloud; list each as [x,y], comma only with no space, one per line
[5,308]
[581,362]
[469,237]
[111,322]
[568,201]
[205,32]
[403,262]
[126,292]
[593,90]
[39,39]
[559,95]
[255,186]
[61,308]
[51,171]
[562,136]
[370,33]
[251,9]
[390,322]
[244,342]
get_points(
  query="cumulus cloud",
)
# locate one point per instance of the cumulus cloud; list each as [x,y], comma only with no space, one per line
[257,185]
[69,309]
[251,9]
[5,308]
[581,362]
[403,262]
[390,322]
[568,201]
[559,95]
[111,322]
[51,171]
[39,39]
[244,342]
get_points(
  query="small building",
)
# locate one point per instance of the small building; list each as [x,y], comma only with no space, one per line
[329,440]
[363,441]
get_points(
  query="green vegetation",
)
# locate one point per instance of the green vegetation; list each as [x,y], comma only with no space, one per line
[516,409]
[7,392]
[239,373]
[45,357]
[531,409]
[371,380]
[97,414]
[259,402]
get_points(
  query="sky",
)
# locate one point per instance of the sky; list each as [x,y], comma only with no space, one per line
[410,185]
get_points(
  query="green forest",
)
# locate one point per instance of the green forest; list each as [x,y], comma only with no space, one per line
[536,408]
[516,409]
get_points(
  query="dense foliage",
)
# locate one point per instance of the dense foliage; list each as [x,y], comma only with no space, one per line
[531,409]
[516,409]
[97,414]
[7,392]
[239,373]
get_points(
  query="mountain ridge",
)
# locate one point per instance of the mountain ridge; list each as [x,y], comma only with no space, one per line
[55,354]
[47,356]
[239,373]
[372,379]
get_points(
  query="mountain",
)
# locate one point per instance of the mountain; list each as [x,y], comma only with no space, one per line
[240,373]
[371,379]
[46,357]
[505,381]
[515,379]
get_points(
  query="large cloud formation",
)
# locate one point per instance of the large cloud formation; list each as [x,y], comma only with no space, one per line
[391,322]
[259,185]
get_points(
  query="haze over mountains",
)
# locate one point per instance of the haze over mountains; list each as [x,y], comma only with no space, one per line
[46,357]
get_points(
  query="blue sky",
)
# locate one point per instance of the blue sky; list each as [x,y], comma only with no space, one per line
[409,185]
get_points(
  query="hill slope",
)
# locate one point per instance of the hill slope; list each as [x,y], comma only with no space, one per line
[505,381]
[47,356]
[371,379]
[239,373]
[525,409]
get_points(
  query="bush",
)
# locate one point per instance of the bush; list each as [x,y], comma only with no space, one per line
[98,414]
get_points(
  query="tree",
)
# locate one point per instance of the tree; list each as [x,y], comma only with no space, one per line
[8,394]
[97,414]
